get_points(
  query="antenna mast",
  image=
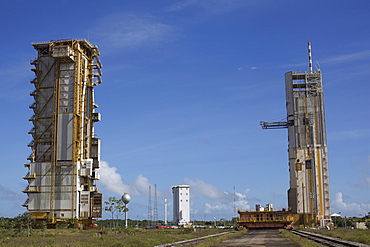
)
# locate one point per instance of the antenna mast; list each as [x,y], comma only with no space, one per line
[309,57]
[150,207]
[234,203]
[155,214]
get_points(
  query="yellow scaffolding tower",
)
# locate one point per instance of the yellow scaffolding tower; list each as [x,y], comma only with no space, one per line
[65,153]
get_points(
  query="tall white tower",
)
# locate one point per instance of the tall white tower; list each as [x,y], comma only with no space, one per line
[65,151]
[308,154]
[181,204]
[308,196]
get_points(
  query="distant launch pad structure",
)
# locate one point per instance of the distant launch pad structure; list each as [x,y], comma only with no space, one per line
[308,196]
[62,167]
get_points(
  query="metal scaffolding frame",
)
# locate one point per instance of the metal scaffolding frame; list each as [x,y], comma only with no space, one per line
[309,180]
[308,196]
[65,153]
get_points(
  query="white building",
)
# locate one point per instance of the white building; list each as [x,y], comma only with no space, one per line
[181,204]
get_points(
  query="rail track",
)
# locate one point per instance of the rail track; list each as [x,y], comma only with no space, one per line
[268,238]
[326,240]
[193,242]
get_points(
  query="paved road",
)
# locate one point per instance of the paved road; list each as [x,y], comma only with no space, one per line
[258,238]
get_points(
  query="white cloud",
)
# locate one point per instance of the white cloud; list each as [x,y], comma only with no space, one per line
[8,194]
[119,31]
[227,203]
[214,7]
[349,209]
[202,188]
[365,182]
[218,207]
[112,181]
[333,60]
[180,5]
[250,68]
[364,169]
[217,201]
[214,200]
[350,133]
[241,201]
[346,58]
[141,185]
[16,72]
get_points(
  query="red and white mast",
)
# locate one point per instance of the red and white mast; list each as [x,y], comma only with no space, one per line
[309,57]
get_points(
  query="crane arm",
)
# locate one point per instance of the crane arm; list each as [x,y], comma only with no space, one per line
[275,125]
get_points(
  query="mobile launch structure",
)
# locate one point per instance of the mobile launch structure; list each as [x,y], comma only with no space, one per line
[62,167]
[308,196]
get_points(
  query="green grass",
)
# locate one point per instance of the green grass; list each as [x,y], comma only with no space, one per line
[355,235]
[123,237]
[213,241]
[297,239]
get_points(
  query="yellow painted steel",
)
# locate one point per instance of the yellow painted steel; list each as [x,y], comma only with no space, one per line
[273,219]
[40,215]
[319,168]
[309,184]
[85,60]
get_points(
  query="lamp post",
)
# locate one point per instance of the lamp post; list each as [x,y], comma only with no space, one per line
[126,199]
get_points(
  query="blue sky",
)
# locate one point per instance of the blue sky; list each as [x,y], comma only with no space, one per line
[185,85]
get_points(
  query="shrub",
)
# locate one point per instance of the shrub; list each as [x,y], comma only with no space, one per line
[128,230]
